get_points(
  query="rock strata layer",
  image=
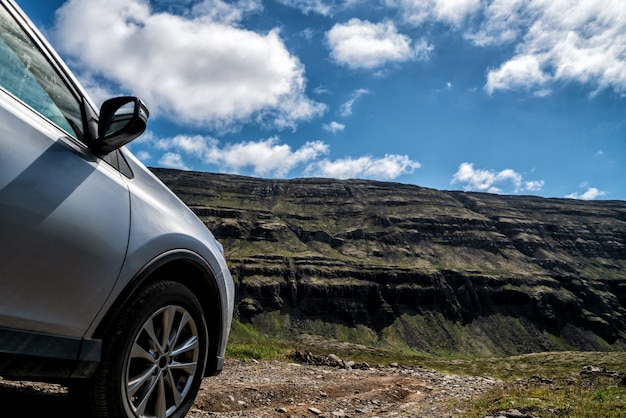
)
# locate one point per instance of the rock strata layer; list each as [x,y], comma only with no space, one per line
[409,265]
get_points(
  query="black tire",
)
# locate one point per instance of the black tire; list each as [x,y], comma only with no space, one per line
[153,360]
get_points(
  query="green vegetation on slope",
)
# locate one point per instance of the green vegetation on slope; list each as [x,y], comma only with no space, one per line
[418,269]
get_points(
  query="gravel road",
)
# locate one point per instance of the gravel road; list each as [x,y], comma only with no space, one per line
[270,389]
[280,389]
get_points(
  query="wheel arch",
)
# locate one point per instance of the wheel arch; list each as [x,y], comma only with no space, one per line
[190,270]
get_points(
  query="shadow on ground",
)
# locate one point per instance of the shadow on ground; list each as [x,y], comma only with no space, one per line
[27,401]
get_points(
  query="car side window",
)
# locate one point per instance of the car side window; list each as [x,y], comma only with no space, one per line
[26,73]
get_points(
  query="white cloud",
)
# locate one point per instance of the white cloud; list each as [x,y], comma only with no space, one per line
[225,11]
[346,108]
[172,160]
[319,90]
[590,194]
[264,157]
[581,41]
[503,22]
[491,181]
[362,44]
[221,11]
[422,50]
[387,168]
[308,34]
[269,157]
[334,127]
[97,91]
[191,68]
[195,145]
[534,185]
[554,41]
[520,72]
[325,8]
[452,12]
[322,7]
[143,156]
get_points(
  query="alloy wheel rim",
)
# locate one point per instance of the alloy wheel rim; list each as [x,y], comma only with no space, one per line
[163,363]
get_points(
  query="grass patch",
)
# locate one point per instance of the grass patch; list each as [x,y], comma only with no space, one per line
[551,365]
[246,342]
[592,397]
[253,351]
[546,384]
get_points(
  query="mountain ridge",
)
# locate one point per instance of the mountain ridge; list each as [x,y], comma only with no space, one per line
[396,264]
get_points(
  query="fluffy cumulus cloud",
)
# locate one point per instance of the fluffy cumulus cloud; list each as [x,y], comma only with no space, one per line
[491,181]
[269,157]
[554,41]
[502,21]
[386,168]
[534,185]
[521,72]
[362,44]
[581,41]
[590,193]
[172,160]
[266,157]
[199,67]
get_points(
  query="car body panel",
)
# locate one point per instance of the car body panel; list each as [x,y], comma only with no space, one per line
[64,213]
[161,225]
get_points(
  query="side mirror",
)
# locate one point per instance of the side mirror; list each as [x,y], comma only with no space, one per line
[122,119]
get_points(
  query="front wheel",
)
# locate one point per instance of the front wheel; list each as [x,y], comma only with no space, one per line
[154,360]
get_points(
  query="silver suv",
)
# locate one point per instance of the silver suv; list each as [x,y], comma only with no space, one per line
[106,278]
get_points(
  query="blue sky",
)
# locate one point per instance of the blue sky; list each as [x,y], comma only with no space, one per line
[500,96]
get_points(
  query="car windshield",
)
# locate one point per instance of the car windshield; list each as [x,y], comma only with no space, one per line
[26,73]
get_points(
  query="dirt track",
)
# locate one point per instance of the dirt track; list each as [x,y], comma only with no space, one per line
[275,389]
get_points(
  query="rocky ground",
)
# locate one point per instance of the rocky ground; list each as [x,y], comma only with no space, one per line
[270,389]
[277,388]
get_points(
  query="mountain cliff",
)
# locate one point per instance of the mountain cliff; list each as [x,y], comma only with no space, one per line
[395,264]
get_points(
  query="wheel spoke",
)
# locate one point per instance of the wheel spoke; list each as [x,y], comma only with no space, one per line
[140,352]
[140,380]
[148,327]
[188,367]
[181,325]
[190,344]
[178,396]
[141,406]
[168,317]
[160,408]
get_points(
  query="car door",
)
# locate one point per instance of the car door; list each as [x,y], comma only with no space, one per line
[64,213]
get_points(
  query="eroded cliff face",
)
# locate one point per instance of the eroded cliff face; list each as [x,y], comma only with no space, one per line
[419,267]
